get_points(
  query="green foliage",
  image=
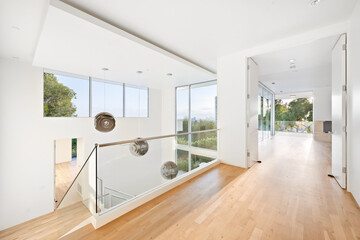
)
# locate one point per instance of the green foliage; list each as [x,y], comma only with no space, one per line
[73,147]
[182,165]
[280,111]
[182,140]
[202,140]
[182,160]
[57,98]
[207,142]
[196,160]
[197,125]
[297,110]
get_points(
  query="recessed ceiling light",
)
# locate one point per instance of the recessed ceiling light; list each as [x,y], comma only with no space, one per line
[16,58]
[169,74]
[105,69]
[314,2]
[293,96]
[139,72]
[15,28]
[292,66]
[292,61]
[273,83]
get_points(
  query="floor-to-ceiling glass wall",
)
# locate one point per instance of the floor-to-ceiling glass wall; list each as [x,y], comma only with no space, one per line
[265,113]
[196,110]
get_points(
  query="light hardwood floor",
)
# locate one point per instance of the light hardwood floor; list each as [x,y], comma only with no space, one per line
[64,175]
[287,196]
[50,226]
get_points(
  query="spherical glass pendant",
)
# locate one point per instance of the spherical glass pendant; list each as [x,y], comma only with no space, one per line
[169,170]
[139,148]
[104,122]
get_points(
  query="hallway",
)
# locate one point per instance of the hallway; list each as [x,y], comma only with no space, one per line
[287,196]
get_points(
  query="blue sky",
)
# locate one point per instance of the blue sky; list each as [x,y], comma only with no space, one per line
[106,97]
[202,102]
[81,88]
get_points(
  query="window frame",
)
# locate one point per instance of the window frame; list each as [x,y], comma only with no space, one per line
[148,99]
[210,153]
[90,84]
[91,79]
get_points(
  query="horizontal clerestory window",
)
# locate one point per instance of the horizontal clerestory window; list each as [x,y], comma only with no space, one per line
[70,95]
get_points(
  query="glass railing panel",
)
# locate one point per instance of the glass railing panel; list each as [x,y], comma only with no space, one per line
[198,160]
[207,140]
[130,169]
[294,126]
[82,189]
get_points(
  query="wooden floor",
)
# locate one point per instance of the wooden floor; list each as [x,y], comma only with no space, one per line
[50,226]
[64,176]
[287,196]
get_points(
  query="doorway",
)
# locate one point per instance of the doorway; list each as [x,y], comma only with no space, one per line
[305,89]
[69,155]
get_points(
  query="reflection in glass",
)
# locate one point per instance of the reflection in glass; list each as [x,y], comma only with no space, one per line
[182,114]
[197,160]
[182,160]
[265,99]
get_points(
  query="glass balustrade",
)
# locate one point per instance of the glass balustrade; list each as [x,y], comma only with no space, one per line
[294,126]
[118,173]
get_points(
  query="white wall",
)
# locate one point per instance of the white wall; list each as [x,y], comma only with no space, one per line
[354,104]
[27,141]
[232,109]
[63,150]
[322,104]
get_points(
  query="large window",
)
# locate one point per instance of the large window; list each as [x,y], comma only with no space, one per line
[68,95]
[203,114]
[195,111]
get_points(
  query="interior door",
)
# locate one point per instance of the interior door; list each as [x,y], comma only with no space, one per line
[339,111]
[252,113]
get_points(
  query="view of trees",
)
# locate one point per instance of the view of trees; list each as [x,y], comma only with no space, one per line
[295,116]
[57,98]
[196,160]
[74,147]
[300,109]
[203,140]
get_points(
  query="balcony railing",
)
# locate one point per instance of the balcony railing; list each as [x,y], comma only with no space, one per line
[294,126]
[119,172]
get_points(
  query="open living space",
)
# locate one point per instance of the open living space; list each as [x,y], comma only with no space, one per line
[180,119]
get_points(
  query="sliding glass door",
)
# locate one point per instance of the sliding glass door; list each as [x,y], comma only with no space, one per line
[265,113]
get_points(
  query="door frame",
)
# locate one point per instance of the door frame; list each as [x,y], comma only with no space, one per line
[297,41]
[345,114]
[249,163]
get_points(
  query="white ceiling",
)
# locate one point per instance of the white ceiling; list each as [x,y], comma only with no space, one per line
[74,42]
[296,94]
[202,30]
[313,67]
[199,30]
